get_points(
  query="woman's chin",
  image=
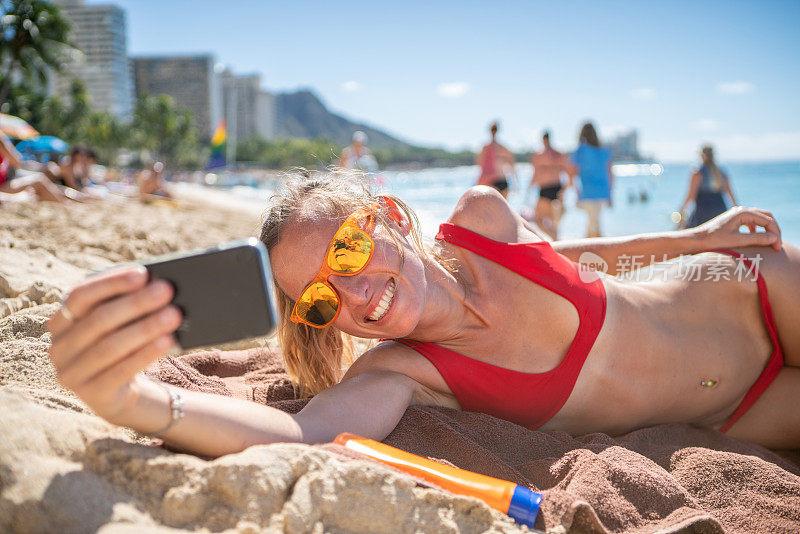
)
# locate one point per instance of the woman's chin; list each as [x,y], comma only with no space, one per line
[398,326]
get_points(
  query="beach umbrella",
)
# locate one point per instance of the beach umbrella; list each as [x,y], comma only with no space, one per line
[43,144]
[15,127]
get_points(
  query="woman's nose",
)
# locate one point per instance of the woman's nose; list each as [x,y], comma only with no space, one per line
[354,289]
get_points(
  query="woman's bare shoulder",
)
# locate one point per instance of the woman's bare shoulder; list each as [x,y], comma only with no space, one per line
[399,358]
[484,211]
[387,356]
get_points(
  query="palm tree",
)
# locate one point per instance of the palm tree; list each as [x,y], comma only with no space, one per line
[33,36]
[162,127]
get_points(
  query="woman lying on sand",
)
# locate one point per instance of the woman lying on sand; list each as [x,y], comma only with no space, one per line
[491,319]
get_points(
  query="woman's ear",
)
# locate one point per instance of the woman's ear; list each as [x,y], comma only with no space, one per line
[395,214]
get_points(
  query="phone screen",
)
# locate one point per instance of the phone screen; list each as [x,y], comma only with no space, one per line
[225,293]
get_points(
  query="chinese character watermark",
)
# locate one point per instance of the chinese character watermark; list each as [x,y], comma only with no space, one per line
[693,268]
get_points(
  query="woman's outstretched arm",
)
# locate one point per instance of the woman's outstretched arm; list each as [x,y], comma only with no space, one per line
[370,405]
[118,323]
[720,232]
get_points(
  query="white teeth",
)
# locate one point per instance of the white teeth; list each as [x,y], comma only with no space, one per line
[383,305]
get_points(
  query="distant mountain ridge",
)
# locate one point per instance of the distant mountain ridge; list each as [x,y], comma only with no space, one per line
[302,114]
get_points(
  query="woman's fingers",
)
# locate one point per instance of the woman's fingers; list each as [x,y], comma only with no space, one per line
[115,377]
[753,218]
[94,290]
[765,220]
[108,317]
[765,212]
[117,346]
[766,239]
[114,325]
[773,227]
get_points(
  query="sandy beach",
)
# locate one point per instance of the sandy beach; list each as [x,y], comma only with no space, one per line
[63,469]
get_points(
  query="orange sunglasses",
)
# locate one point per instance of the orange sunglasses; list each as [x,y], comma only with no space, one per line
[349,252]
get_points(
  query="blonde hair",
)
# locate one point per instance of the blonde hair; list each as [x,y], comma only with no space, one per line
[717,177]
[317,358]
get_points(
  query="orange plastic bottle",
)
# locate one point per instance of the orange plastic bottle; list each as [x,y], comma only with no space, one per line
[517,501]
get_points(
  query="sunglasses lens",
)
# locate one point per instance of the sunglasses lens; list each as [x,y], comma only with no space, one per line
[350,250]
[318,304]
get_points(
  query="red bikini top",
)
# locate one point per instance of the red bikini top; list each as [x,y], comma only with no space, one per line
[527,399]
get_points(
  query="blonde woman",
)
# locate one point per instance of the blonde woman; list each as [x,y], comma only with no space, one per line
[491,318]
[707,190]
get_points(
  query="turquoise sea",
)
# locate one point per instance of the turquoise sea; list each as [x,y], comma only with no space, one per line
[433,194]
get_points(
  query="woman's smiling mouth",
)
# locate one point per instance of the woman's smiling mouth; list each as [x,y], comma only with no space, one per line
[384,303]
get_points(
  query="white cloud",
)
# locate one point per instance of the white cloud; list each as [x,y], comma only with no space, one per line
[706,125]
[735,88]
[351,86]
[643,93]
[453,89]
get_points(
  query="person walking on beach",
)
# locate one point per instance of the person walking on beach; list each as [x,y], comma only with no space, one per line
[496,163]
[356,156]
[548,167]
[707,189]
[593,164]
[491,318]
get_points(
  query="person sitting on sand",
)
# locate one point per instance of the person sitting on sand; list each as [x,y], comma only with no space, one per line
[548,167]
[92,178]
[10,184]
[496,163]
[151,183]
[71,171]
[491,319]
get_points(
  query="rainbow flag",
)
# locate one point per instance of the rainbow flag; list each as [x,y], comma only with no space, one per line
[218,141]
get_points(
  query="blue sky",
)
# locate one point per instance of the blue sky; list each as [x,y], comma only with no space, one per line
[437,73]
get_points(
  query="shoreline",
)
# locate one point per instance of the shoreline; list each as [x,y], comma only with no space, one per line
[215,198]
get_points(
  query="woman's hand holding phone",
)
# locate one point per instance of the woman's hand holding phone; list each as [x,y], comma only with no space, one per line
[111,327]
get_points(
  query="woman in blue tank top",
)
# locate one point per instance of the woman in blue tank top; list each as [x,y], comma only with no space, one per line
[707,188]
[593,163]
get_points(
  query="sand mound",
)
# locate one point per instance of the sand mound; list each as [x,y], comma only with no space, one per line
[62,469]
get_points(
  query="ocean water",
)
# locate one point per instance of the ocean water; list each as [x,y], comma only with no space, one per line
[774,186]
[433,193]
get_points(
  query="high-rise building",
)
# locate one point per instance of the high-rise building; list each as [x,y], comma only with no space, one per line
[625,147]
[265,115]
[240,99]
[190,80]
[99,32]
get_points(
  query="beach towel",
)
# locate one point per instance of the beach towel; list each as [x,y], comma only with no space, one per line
[668,478]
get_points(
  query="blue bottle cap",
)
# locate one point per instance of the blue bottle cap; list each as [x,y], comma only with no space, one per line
[524,506]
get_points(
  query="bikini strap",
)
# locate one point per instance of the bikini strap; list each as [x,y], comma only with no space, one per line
[535,261]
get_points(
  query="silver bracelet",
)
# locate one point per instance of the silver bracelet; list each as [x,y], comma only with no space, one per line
[176,406]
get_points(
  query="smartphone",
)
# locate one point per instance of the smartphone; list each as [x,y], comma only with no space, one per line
[226,292]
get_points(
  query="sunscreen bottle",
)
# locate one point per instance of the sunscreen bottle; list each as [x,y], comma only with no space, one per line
[517,501]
